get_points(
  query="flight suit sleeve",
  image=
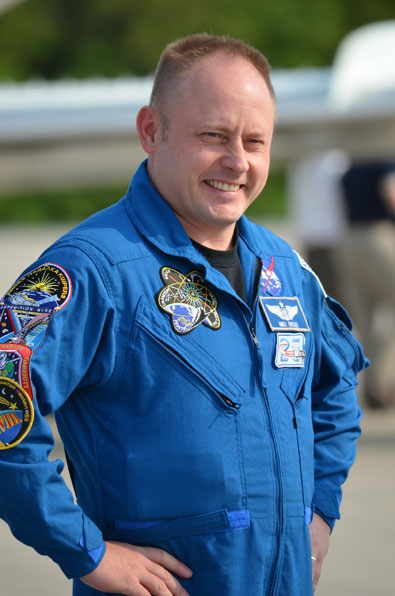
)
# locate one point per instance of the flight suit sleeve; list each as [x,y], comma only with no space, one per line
[73,346]
[335,411]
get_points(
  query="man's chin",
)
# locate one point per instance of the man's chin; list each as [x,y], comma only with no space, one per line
[225,220]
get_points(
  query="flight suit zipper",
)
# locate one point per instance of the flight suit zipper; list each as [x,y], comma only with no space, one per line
[280,490]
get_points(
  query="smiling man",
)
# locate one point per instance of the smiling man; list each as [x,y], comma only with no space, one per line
[212,159]
[203,382]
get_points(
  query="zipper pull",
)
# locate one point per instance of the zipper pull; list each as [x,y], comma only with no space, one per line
[230,403]
[254,337]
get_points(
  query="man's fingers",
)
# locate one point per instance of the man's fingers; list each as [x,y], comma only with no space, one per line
[166,560]
[316,567]
[160,565]
[155,586]
[137,571]
[168,579]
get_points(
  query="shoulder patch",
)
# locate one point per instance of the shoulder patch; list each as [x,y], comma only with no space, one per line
[25,313]
[27,308]
[308,268]
[45,289]
[15,365]
[16,413]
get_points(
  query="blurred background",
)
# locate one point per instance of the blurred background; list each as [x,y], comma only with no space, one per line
[73,74]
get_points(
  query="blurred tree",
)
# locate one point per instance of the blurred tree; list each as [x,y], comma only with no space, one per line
[84,38]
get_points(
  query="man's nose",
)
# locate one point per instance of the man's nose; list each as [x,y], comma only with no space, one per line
[235,157]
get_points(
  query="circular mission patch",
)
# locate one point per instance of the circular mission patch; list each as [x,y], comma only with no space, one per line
[46,287]
[16,413]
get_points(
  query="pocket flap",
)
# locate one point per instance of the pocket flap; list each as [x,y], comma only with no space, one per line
[189,351]
[154,531]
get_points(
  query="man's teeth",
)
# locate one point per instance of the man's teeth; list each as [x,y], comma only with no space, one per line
[223,185]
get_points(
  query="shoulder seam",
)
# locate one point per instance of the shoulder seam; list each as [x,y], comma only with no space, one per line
[307,267]
[83,246]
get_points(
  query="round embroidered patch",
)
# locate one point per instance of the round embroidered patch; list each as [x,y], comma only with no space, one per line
[16,413]
[46,288]
[187,299]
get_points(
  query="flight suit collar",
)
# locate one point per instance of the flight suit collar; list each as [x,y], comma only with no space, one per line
[158,223]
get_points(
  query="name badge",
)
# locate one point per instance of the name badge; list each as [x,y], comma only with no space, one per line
[284,314]
[290,350]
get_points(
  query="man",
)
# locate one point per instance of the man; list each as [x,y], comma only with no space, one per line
[369,246]
[202,382]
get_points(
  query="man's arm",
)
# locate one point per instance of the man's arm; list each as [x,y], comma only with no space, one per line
[336,422]
[34,500]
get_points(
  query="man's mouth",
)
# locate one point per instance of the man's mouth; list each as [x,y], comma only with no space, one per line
[224,185]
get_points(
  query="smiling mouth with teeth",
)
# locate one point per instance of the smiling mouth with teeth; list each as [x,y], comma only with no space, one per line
[223,185]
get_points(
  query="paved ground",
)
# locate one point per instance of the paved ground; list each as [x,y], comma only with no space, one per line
[361,558]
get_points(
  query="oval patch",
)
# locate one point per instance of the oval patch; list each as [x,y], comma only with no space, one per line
[16,413]
[270,282]
[46,288]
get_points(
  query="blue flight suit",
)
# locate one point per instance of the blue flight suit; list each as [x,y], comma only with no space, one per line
[192,421]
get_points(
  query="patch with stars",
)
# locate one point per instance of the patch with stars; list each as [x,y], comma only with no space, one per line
[188,301]
[28,306]
[284,314]
[16,413]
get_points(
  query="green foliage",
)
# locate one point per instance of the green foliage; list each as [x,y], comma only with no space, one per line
[84,38]
[57,205]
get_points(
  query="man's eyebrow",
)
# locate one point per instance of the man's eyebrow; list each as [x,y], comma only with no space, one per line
[222,128]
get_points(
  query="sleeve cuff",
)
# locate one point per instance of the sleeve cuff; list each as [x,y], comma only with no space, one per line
[327,505]
[329,520]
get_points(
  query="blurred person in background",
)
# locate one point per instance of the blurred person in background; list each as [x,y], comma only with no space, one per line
[203,382]
[366,271]
[318,211]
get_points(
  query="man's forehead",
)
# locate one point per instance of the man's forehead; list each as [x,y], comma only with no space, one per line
[212,76]
[220,66]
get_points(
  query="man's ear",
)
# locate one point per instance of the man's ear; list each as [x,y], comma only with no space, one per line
[149,128]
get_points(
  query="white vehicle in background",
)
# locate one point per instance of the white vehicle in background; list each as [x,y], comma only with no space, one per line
[84,131]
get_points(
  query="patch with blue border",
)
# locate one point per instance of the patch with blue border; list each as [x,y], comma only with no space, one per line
[290,350]
[16,413]
[188,301]
[284,314]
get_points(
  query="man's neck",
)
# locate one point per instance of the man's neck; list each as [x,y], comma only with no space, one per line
[218,238]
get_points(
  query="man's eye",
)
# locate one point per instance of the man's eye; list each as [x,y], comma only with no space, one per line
[212,135]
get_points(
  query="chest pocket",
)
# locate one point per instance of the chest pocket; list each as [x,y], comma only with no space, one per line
[184,455]
[184,351]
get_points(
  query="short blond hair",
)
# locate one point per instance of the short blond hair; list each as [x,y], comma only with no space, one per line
[181,55]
